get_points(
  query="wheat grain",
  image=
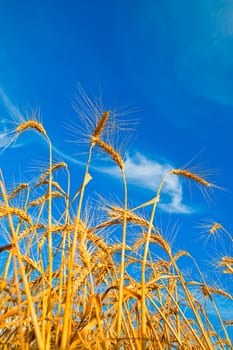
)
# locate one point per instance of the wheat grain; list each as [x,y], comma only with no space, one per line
[4,211]
[158,239]
[84,255]
[53,168]
[31,124]
[207,290]
[30,229]
[101,124]
[227,260]
[16,190]
[180,254]
[118,213]
[42,199]
[53,183]
[111,151]
[98,241]
[191,176]
[215,227]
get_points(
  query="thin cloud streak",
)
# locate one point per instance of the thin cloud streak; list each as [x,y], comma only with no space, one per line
[10,107]
[67,157]
[15,116]
[148,174]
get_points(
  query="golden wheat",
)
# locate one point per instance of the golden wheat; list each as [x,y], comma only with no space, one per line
[85,288]
[42,199]
[4,211]
[110,150]
[31,124]
[53,168]
[191,176]
[215,227]
[100,126]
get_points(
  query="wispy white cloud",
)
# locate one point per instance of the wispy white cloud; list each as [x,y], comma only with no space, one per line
[67,157]
[10,107]
[14,116]
[148,174]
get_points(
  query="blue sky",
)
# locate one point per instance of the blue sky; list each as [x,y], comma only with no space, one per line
[169,62]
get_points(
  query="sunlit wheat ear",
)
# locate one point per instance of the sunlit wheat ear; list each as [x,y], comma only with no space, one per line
[17,190]
[84,255]
[15,211]
[30,230]
[93,117]
[180,254]
[110,150]
[158,239]
[215,227]
[227,263]
[53,168]
[115,212]
[42,199]
[204,186]
[54,184]
[99,121]
[31,124]
[215,231]
[101,124]
[207,290]
[190,175]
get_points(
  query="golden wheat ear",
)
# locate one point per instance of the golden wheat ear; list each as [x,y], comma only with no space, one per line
[216,226]
[31,124]
[101,124]
[110,150]
[192,176]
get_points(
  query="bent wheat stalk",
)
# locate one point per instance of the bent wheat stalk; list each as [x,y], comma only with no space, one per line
[34,124]
[143,279]
[22,270]
[69,297]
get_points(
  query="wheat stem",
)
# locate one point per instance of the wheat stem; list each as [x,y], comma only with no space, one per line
[24,277]
[143,281]
[67,314]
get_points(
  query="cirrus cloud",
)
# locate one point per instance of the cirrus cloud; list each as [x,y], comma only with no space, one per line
[148,174]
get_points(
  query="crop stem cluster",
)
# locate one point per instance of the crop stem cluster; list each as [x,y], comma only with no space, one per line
[66,285]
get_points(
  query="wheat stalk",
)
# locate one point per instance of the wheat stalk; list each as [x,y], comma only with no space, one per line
[83,290]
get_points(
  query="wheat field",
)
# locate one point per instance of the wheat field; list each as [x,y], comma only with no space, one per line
[67,284]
